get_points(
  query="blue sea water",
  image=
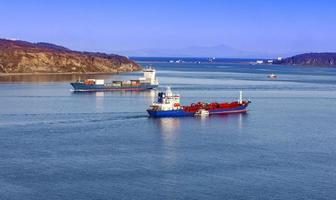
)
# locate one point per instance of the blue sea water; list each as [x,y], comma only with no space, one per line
[56,144]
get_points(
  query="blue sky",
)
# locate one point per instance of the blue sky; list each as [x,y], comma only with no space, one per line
[278,27]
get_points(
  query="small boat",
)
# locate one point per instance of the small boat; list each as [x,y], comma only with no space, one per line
[147,82]
[168,105]
[272,76]
[202,113]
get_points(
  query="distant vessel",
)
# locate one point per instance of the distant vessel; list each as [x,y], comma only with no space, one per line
[147,82]
[202,113]
[272,76]
[168,105]
[211,59]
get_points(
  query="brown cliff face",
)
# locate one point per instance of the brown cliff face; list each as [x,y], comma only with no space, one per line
[26,57]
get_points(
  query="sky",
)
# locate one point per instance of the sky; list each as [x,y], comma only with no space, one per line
[263,27]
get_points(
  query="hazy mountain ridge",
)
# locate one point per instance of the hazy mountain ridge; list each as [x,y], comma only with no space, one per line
[18,56]
[221,51]
[193,51]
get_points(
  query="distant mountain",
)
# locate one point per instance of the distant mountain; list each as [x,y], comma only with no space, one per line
[211,51]
[18,56]
[319,59]
[194,51]
[221,51]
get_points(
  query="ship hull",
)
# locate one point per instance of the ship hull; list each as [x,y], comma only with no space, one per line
[81,87]
[183,113]
[169,113]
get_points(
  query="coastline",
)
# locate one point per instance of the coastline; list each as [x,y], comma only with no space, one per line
[65,73]
[188,62]
[243,62]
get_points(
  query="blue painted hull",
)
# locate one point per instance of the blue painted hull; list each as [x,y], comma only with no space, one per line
[169,113]
[182,113]
[81,87]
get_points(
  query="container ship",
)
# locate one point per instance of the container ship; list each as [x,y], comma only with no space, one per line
[168,105]
[147,82]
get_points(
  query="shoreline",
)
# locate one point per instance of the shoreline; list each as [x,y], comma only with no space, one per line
[65,73]
[245,63]
[187,62]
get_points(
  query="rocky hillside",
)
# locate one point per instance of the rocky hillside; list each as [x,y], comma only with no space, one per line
[25,57]
[318,59]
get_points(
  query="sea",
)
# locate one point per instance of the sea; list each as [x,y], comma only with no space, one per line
[56,144]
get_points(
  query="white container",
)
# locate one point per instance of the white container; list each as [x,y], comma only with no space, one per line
[99,82]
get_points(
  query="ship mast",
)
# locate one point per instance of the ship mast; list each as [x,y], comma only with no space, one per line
[240,96]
